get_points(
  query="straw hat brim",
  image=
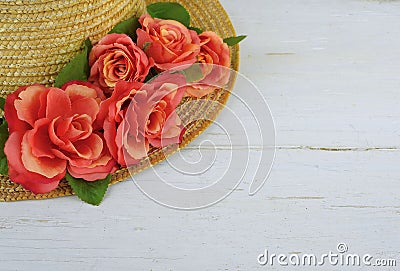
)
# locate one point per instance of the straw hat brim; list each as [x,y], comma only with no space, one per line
[205,14]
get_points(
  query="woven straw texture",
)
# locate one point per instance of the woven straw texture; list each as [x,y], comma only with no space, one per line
[205,14]
[38,37]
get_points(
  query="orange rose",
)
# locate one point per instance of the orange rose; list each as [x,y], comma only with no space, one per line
[168,42]
[116,57]
[215,60]
[51,130]
[137,115]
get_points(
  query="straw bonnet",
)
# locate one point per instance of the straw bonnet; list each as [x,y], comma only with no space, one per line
[39,37]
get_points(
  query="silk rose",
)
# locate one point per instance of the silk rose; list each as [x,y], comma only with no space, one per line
[214,61]
[168,42]
[116,57]
[139,115]
[51,130]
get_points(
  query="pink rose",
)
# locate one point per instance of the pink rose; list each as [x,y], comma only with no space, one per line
[116,57]
[157,103]
[168,42]
[111,116]
[137,115]
[51,130]
[215,60]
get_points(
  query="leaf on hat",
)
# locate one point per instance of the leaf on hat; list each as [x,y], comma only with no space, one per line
[3,166]
[3,138]
[145,45]
[89,192]
[198,30]
[77,69]
[2,103]
[234,40]
[169,11]
[127,27]
[193,73]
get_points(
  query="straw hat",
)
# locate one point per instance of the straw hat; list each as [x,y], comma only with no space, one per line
[38,37]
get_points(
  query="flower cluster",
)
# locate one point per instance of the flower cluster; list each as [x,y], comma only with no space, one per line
[90,129]
[164,45]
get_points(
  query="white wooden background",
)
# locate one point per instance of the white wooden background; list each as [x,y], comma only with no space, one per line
[330,71]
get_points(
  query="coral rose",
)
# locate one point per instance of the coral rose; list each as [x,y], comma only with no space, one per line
[116,57]
[137,115]
[51,130]
[168,42]
[214,60]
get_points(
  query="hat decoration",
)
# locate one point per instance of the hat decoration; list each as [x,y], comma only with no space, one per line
[112,104]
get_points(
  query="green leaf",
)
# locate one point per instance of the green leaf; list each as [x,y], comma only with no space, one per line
[193,73]
[90,192]
[127,27]
[77,69]
[2,103]
[198,30]
[3,138]
[145,45]
[4,166]
[234,40]
[169,11]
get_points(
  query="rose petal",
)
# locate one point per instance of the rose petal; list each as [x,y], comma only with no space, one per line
[48,167]
[79,89]
[58,103]
[86,149]
[27,105]
[85,106]
[97,169]
[39,140]
[14,123]
[36,183]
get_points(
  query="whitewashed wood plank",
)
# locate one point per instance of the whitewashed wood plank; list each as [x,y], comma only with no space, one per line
[313,201]
[329,70]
